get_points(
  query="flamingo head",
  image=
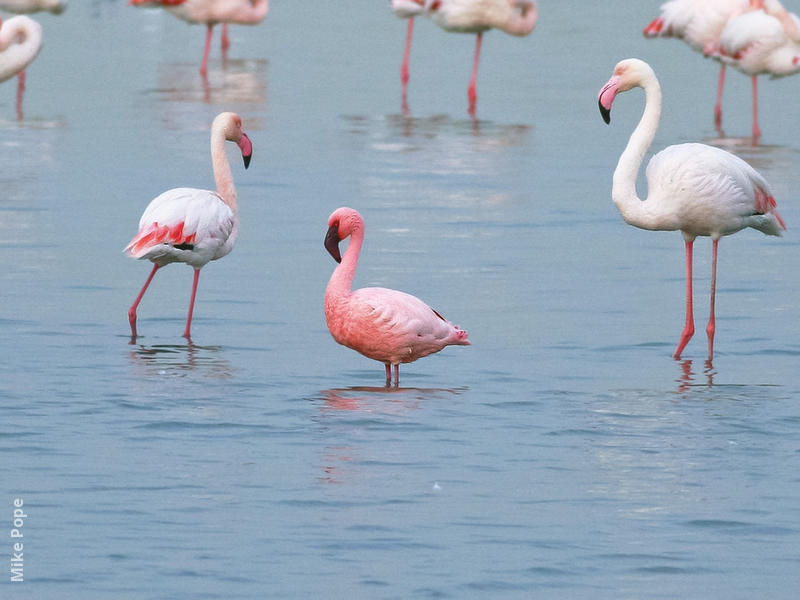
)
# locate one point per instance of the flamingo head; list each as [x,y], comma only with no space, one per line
[341,224]
[230,124]
[628,74]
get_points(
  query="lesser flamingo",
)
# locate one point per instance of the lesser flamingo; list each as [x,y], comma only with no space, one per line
[382,324]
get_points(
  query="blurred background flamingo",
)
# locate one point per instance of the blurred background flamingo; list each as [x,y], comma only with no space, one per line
[211,12]
[20,43]
[407,9]
[22,7]
[700,23]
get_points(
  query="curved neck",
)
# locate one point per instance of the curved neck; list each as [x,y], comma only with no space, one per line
[341,282]
[20,42]
[524,15]
[624,186]
[222,168]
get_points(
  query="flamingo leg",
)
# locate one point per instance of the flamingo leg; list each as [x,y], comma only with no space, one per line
[20,93]
[718,105]
[712,321]
[206,51]
[135,305]
[396,375]
[756,128]
[472,94]
[404,76]
[186,333]
[688,329]
[226,40]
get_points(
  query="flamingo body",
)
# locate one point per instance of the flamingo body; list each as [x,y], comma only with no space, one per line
[20,43]
[756,43]
[191,225]
[31,6]
[697,189]
[382,324]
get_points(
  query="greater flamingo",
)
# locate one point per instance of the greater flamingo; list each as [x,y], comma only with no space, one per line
[694,188]
[211,12]
[700,24]
[386,325]
[190,225]
[756,43]
[516,17]
[20,43]
[21,7]
[407,9]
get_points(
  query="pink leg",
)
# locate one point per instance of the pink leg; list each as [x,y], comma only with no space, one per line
[712,321]
[396,375]
[718,105]
[20,93]
[135,305]
[206,51]
[688,329]
[756,129]
[404,68]
[186,333]
[226,40]
[388,374]
[472,94]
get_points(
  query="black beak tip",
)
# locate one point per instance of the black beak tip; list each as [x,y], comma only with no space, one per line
[246,159]
[604,112]
[332,243]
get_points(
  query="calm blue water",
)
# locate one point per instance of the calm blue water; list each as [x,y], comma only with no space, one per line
[563,455]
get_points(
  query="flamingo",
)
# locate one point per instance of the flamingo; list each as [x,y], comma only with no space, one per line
[190,225]
[515,17]
[756,43]
[210,12]
[20,43]
[386,325]
[694,188]
[700,24]
[407,9]
[31,6]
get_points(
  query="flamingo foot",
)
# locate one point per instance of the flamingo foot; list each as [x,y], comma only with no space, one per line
[687,334]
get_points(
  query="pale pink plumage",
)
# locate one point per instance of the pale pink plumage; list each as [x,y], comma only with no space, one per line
[515,17]
[191,225]
[22,7]
[211,12]
[20,43]
[383,324]
[697,189]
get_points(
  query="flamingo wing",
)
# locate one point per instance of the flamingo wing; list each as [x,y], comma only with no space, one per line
[180,221]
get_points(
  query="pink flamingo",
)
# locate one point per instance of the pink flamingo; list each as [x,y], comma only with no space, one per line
[190,225]
[756,43]
[21,7]
[20,43]
[407,9]
[700,24]
[386,325]
[515,17]
[694,188]
[210,12]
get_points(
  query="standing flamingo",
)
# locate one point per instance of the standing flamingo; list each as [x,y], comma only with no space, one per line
[21,7]
[700,24]
[20,43]
[386,325]
[407,9]
[694,188]
[190,225]
[756,43]
[210,12]
[516,17]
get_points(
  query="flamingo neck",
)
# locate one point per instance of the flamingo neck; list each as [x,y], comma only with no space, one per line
[633,209]
[341,282]
[20,42]
[222,168]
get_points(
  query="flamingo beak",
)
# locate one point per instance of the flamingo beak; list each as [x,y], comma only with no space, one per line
[332,242]
[606,98]
[246,147]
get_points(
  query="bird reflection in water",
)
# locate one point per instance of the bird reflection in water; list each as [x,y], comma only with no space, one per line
[686,380]
[178,360]
[234,81]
